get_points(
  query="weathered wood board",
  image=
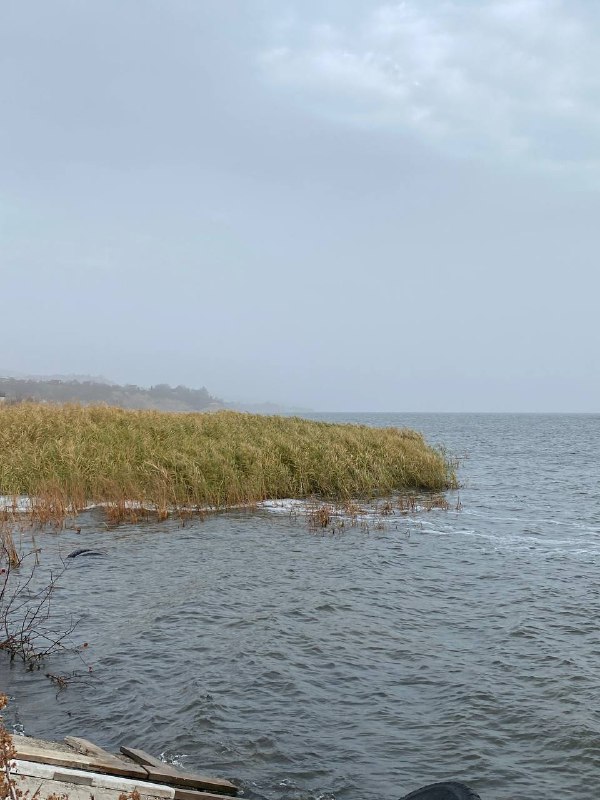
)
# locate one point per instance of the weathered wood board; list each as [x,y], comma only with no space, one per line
[160,772]
[48,772]
[191,794]
[30,771]
[32,752]
[83,765]
[90,749]
[74,791]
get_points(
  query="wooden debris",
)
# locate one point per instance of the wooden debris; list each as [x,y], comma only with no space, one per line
[73,791]
[30,752]
[190,794]
[83,770]
[87,748]
[160,772]
[83,778]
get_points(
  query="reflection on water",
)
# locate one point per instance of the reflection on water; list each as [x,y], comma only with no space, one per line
[362,664]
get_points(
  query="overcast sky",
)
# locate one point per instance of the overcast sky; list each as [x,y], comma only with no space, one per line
[338,204]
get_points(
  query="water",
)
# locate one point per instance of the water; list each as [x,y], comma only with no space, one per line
[359,665]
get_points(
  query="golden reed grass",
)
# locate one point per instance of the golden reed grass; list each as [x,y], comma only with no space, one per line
[68,456]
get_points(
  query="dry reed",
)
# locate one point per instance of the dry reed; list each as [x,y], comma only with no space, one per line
[66,457]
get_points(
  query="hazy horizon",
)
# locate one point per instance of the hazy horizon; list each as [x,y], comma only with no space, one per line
[345,205]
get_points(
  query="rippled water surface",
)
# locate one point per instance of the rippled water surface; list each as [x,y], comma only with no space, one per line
[459,644]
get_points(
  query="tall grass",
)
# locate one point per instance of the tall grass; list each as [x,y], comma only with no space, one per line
[69,456]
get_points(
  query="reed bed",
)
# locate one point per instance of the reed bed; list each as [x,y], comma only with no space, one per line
[69,456]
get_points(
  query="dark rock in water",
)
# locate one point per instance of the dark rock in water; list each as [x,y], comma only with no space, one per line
[85,551]
[451,790]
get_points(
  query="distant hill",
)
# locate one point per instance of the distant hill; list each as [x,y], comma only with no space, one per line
[89,392]
[65,378]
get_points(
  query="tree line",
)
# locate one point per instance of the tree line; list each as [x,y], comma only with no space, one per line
[162,396]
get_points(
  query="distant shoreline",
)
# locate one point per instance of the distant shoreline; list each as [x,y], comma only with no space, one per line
[92,390]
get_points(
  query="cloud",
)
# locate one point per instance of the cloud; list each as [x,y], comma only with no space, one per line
[516,79]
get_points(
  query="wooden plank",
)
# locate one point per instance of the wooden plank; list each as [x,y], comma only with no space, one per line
[190,794]
[160,772]
[73,791]
[87,748]
[48,772]
[58,758]
[193,781]
[92,750]
[144,758]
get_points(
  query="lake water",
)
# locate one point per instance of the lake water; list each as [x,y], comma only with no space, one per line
[452,644]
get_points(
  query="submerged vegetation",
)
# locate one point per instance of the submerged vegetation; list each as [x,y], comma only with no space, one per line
[350,514]
[67,457]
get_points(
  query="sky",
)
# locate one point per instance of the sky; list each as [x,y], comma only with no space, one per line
[334,204]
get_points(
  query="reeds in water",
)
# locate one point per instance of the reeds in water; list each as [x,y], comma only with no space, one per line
[66,457]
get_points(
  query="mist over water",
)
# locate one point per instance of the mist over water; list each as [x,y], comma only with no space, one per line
[460,644]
